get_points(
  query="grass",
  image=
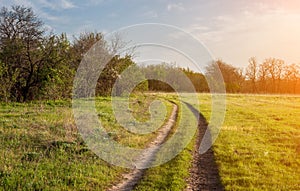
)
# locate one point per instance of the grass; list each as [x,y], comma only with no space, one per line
[258,147]
[169,176]
[41,149]
[139,108]
[173,174]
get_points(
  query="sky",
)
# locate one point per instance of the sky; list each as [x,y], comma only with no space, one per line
[232,30]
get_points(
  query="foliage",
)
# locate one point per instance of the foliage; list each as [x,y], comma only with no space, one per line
[21,54]
[81,45]
[113,71]
[232,76]
[198,80]
[169,78]
[31,62]
[35,66]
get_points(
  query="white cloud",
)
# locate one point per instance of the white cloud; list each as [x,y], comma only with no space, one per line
[49,17]
[67,4]
[175,7]
[57,4]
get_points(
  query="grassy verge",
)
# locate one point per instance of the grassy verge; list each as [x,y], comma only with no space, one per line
[258,147]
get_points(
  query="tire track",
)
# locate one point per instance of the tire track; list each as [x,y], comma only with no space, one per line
[204,173]
[131,179]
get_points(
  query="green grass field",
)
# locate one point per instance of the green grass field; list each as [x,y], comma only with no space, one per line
[258,147]
[41,148]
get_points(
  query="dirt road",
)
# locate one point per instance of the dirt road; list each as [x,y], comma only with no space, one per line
[130,179]
[204,174]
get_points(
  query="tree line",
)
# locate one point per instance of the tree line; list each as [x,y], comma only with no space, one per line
[272,76]
[37,65]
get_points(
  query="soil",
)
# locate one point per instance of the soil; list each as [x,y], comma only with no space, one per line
[129,180]
[204,173]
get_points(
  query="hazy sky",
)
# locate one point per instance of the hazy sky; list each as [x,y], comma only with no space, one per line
[233,30]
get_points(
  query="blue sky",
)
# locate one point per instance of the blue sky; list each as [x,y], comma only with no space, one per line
[232,30]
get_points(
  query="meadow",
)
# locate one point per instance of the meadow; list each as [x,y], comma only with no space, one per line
[40,149]
[258,147]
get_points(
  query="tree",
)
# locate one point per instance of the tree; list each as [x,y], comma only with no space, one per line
[274,71]
[29,58]
[20,36]
[102,58]
[232,76]
[58,74]
[262,77]
[198,80]
[251,73]
[35,65]
[292,76]
[81,46]
[6,82]
[110,73]
[130,80]
[168,78]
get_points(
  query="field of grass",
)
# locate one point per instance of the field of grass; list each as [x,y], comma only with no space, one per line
[258,147]
[41,148]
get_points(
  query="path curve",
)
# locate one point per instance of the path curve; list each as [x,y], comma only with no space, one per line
[129,180]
